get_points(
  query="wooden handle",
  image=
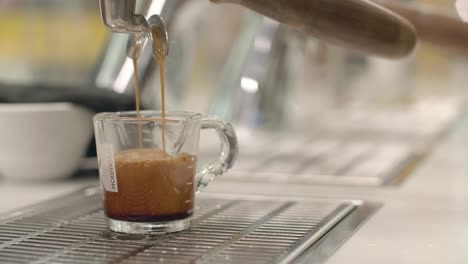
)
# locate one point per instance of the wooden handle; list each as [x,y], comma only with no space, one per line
[432,26]
[357,24]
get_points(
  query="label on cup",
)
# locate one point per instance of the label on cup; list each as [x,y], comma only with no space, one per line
[107,168]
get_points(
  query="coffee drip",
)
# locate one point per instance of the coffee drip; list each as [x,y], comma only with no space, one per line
[158,37]
[158,54]
[137,97]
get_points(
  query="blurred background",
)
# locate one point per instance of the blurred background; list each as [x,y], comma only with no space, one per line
[49,41]
[271,81]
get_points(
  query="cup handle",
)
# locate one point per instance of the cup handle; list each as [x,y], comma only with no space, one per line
[228,154]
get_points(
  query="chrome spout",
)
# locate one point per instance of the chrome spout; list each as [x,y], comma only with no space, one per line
[114,68]
[119,16]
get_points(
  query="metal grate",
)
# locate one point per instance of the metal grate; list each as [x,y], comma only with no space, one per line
[225,230]
[330,160]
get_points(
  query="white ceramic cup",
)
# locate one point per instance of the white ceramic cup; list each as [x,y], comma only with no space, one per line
[42,141]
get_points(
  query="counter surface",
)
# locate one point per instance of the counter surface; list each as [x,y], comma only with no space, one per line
[425,220]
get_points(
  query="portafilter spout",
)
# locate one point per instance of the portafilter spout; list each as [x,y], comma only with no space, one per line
[120,16]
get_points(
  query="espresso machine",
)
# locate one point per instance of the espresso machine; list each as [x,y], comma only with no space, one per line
[252,85]
[289,199]
[377,31]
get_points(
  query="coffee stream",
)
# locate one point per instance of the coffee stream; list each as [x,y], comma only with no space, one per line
[158,53]
[137,96]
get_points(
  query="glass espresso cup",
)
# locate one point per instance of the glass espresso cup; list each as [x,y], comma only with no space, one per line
[148,168]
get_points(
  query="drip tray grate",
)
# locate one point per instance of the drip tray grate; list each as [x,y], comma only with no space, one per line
[363,162]
[226,229]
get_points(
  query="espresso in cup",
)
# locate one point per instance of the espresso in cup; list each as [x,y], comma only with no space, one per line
[153,186]
[146,190]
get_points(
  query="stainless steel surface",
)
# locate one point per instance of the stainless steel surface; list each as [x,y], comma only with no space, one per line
[256,81]
[367,149]
[421,121]
[227,229]
[114,69]
[363,161]
[119,16]
[156,22]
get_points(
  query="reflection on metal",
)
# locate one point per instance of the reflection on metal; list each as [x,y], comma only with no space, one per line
[120,16]
[369,149]
[326,160]
[226,229]
[255,81]
[112,70]
[124,76]
[249,85]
